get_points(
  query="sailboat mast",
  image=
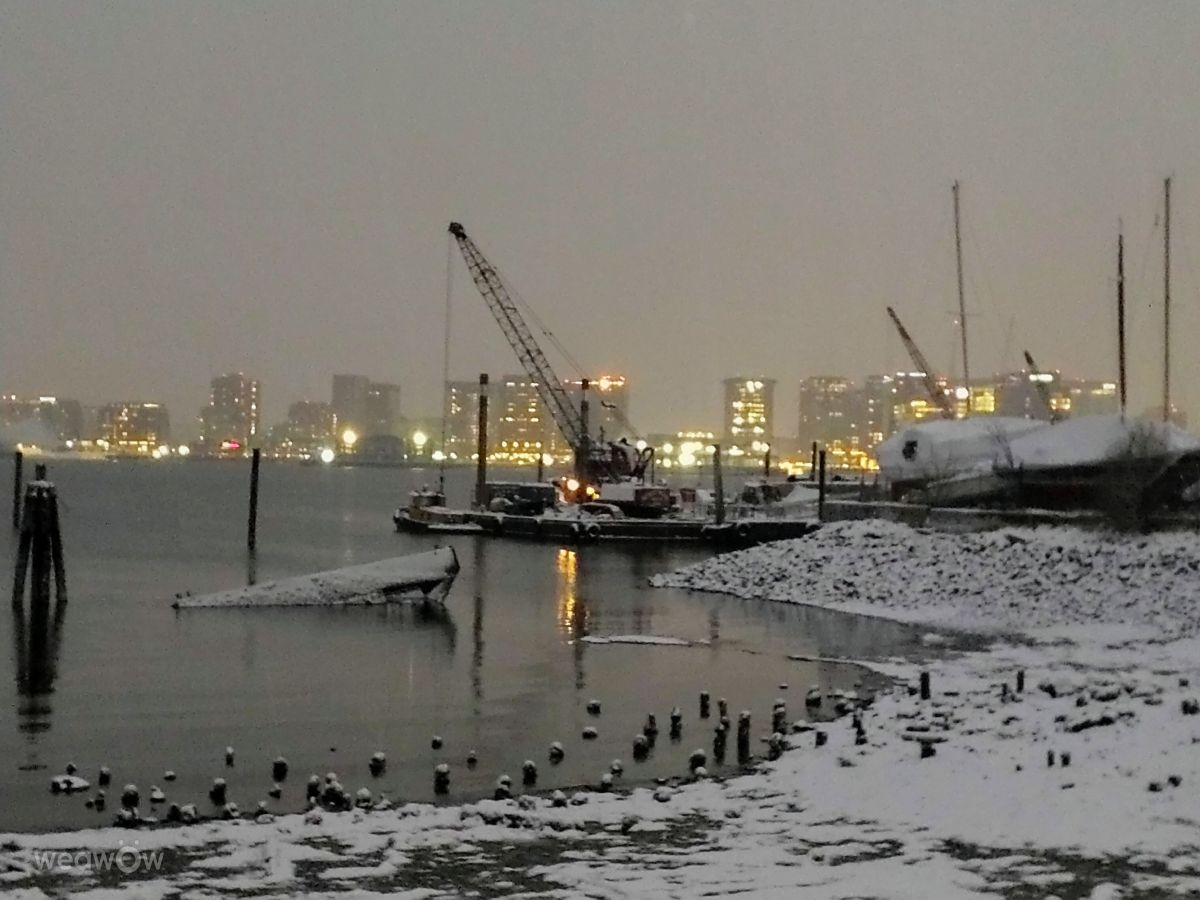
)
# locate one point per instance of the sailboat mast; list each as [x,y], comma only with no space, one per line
[962,303]
[1166,300]
[1121,318]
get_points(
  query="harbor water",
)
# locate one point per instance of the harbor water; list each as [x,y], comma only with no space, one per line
[507,666]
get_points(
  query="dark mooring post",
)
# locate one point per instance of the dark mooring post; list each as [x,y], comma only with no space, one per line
[482,448]
[39,549]
[767,462]
[541,466]
[718,484]
[18,465]
[252,524]
[812,469]
[821,486]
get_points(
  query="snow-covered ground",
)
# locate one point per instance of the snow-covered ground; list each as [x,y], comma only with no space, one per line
[1083,784]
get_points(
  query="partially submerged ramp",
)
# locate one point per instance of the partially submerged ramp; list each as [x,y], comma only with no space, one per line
[427,575]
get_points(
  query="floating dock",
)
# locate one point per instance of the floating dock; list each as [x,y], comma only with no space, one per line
[565,529]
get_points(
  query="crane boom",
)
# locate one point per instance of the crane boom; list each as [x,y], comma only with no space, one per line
[549,387]
[935,393]
[1043,391]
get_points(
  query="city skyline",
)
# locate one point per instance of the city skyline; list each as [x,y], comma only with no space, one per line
[851,415]
[762,226]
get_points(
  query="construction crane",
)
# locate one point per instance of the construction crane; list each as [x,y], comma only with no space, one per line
[593,463]
[936,394]
[1043,391]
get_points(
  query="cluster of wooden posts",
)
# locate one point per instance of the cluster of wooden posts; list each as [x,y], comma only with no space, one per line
[39,547]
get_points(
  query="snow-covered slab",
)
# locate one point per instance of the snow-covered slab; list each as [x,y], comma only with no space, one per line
[427,574]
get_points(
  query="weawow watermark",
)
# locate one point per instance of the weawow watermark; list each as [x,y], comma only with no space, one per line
[128,859]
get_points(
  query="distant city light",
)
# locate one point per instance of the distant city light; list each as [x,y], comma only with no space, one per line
[327,456]
[184,450]
[438,456]
[349,437]
[420,439]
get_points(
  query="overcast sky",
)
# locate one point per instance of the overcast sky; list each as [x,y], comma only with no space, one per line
[683,191]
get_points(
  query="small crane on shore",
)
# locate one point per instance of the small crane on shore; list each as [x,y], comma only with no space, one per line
[594,463]
[936,394]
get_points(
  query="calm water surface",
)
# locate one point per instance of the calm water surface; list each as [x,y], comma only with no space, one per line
[122,679]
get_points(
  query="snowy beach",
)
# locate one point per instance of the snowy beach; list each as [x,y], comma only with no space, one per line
[1059,761]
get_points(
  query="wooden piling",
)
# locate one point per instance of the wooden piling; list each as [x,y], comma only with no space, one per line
[252,524]
[39,548]
[821,486]
[56,550]
[925,693]
[482,448]
[718,485]
[812,467]
[18,465]
[767,462]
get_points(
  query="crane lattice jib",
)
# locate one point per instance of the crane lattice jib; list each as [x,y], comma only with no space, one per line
[936,394]
[512,323]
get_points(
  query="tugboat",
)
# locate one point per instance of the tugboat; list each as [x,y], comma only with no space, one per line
[427,511]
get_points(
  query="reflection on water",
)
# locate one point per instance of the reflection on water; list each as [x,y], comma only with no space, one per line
[36,643]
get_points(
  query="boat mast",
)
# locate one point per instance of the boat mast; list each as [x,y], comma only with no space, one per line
[446,366]
[1121,315]
[962,303]
[1166,300]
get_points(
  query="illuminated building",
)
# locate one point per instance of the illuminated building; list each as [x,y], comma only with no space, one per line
[749,415]
[349,395]
[382,410]
[1018,395]
[682,449]
[608,406]
[876,410]
[911,401]
[135,428]
[522,431]
[462,419]
[230,422]
[983,394]
[831,413]
[1086,397]
[309,428]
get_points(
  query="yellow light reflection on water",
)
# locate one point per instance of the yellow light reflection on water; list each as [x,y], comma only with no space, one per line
[566,563]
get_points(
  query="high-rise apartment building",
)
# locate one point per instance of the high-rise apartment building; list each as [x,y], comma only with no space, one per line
[230,422]
[831,412]
[349,395]
[749,414]
[133,427]
[522,430]
[462,419]
[383,410]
